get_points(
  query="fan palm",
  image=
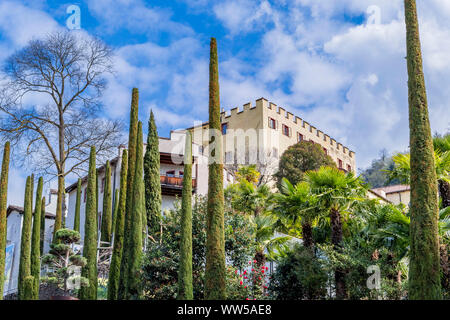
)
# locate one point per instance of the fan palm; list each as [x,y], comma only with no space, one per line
[402,171]
[296,206]
[336,192]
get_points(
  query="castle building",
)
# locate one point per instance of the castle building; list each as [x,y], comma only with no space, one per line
[261,133]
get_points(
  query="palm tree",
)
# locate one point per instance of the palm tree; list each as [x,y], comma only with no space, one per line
[297,205]
[337,192]
[443,145]
[402,171]
[247,198]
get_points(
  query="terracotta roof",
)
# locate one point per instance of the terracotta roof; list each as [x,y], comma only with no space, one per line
[12,208]
[394,189]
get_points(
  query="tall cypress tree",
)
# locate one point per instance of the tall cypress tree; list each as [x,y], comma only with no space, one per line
[90,235]
[42,234]
[76,219]
[35,240]
[138,210]
[424,268]
[25,244]
[115,211]
[185,290]
[107,206]
[3,195]
[114,268]
[130,181]
[215,275]
[153,198]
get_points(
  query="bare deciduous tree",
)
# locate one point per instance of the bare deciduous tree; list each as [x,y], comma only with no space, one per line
[49,106]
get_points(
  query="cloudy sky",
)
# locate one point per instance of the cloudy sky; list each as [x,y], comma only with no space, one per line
[340,65]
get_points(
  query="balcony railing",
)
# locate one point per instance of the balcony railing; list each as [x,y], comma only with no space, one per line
[175,181]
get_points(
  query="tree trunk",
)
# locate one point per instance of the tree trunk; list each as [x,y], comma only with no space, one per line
[307,236]
[445,267]
[336,240]
[444,191]
[424,269]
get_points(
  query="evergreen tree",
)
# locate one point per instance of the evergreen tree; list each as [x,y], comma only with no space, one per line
[76,219]
[42,235]
[138,210]
[25,244]
[153,198]
[119,218]
[107,206]
[424,269]
[35,240]
[130,180]
[215,274]
[185,288]
[90,235]
[115,211]
[3,195]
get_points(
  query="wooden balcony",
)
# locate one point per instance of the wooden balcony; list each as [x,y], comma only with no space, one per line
[171,185]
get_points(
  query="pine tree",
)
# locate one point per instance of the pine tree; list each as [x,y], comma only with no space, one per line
[35,240]
[3,195]
[42,235]
[25,243]
[115,211]
[107,206]
[90,235]
[185,289]
[153,198]
[114,269]
[76,219]
[424,269]
[215,275]
[138,210]
[130,181]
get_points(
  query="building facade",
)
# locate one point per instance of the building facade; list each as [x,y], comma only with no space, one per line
[261,133]
[171,177]
[396,194]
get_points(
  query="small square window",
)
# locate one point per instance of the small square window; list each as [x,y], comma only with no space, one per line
[299,137]
[224,128]
[286,130]
[272,123]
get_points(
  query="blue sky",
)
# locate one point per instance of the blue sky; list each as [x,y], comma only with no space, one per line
[337,64]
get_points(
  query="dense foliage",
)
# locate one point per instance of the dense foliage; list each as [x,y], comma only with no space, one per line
[298,159]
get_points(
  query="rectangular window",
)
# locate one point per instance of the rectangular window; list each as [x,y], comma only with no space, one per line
[200,149]
[325,150]
[299,137]
[224,128]
[349,168]
[272,123]
[340,163]
[286,130]
[181,173]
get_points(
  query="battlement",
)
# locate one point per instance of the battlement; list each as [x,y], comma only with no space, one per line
[262,103]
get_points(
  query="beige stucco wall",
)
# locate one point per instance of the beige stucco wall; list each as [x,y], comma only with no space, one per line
[255,133]
[400,197]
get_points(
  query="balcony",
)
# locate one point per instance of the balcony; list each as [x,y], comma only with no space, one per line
[171,185]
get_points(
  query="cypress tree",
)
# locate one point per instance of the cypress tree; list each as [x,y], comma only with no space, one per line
[185,290]
[3,195]
[35,240]
[153,198]
[114,268]
[215,275]
[138,210]
[130,181]
[42,235]
[76,219]
[107,206]
[28,288]
[25,244]
[115,211]
[424,269]
[96,199]
[90,235]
